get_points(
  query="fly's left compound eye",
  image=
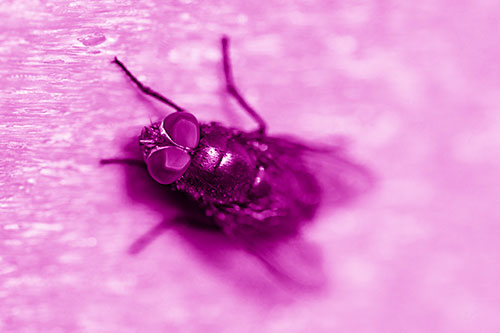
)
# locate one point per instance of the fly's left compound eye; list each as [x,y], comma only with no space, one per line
[168,164]
[183,128]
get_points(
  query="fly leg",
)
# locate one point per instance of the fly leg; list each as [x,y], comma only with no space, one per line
[127,161]
[146,90]
[143,241]
[233,91]
[152,234]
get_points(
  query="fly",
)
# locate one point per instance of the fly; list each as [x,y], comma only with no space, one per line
[251,185]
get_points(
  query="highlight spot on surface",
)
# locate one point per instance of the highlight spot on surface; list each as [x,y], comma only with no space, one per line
[92,39]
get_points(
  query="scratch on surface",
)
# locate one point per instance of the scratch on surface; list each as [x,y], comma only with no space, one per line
[12,242]
[12,226]
[27,280]
[50,168]
[41,228]
[61,137]
[119,286]
[265,45]
[68,258]
[47,226]
[6,268]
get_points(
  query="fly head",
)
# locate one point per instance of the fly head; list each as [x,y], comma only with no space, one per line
[167,146]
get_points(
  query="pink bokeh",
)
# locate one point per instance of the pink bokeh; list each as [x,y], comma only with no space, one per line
[410,89]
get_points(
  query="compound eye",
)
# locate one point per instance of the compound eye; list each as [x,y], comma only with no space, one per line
[183,128]
[168,164]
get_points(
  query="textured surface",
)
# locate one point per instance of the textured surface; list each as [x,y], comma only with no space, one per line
[413,88]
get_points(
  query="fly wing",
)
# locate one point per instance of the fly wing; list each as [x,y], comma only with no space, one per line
[336,177]
[293,180]
[293,260]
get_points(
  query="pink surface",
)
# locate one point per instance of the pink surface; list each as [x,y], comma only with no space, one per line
[413,88]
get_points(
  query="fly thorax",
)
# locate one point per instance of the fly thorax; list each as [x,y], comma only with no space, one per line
[224,167]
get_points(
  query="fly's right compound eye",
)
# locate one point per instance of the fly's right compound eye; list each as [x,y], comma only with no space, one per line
[168,164]
[183,128]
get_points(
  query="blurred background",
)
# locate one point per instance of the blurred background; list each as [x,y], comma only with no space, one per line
[410,88]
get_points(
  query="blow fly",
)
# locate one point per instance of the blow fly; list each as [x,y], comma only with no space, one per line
[251,185]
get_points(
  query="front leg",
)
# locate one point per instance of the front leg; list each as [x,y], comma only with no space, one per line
[127,161]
